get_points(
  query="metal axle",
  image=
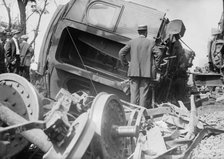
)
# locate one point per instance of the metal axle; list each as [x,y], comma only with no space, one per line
[124,131]
[35,136]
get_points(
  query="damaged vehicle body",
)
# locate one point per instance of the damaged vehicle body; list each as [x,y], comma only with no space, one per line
[80,48]
[210,77]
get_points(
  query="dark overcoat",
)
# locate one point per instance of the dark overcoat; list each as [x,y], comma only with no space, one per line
[2,58]
[25,54]
[12,60]
[10,51]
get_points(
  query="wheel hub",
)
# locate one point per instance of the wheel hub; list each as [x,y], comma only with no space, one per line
[20,96]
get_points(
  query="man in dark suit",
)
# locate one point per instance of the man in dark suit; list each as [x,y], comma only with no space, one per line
[2,51]
[25,57]
[144,59]
[12,52]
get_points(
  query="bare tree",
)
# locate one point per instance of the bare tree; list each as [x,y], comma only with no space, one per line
[38,7]
[22,9]
[8,9]
[40,11]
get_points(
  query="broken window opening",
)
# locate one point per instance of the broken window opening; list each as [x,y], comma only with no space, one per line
[103,14]
[90,52]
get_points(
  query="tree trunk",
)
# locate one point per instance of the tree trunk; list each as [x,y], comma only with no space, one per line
[22,9]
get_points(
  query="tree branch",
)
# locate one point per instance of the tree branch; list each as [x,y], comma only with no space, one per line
[29,16]
[38,24]
[9,15]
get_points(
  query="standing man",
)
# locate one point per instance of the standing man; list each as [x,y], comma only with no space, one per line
[2,51]
[12,52]
[26,53]
[144,59]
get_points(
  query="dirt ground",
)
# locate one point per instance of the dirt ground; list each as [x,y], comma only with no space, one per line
[212,146]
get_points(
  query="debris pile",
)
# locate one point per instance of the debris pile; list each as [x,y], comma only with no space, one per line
[78,125]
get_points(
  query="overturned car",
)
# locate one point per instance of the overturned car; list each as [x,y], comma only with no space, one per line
[81,45]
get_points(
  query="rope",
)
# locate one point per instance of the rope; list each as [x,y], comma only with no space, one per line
[82,61]
[186,45]
[73,42]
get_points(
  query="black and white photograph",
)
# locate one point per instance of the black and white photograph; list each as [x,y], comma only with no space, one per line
[112,79]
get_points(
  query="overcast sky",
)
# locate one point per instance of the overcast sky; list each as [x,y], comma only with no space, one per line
[199,16]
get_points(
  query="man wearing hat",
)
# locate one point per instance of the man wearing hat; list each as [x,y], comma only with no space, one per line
[25,56]
[144,58]
[2,51]
[12,52]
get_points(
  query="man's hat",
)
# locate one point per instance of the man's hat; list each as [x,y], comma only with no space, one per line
[142,27]
[24,37]
[2,31]
[15,32]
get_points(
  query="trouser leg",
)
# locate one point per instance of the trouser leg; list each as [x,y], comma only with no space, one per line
[134,88]
[17,64]
[12,68]
[27,72]
[144,88]
[21,71]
